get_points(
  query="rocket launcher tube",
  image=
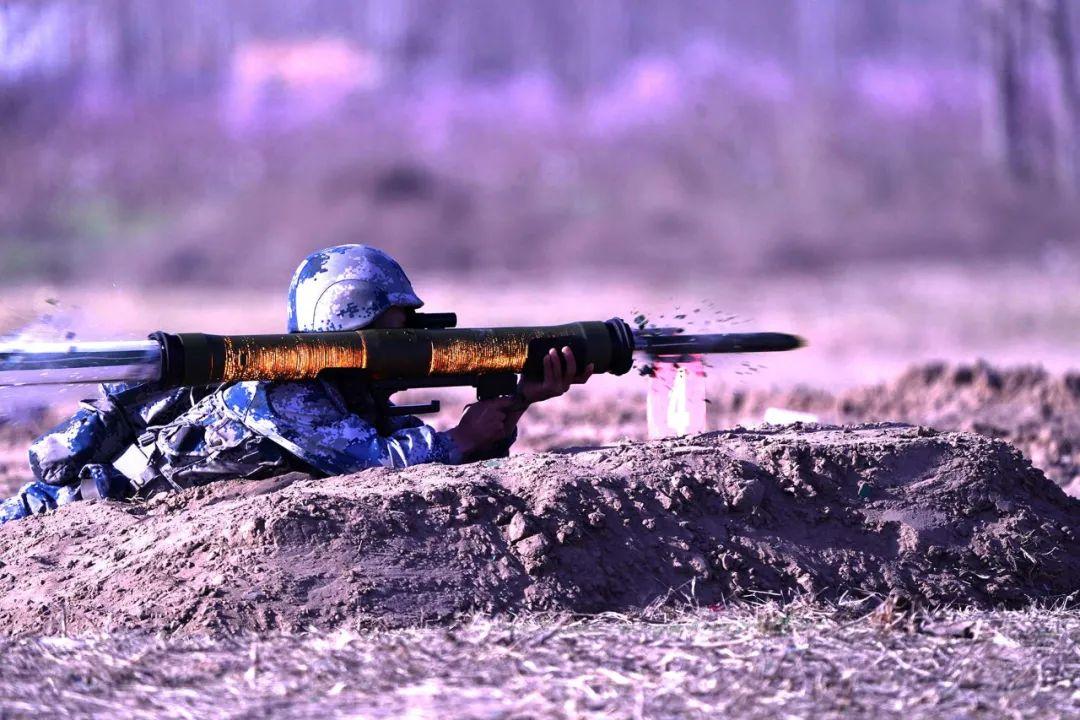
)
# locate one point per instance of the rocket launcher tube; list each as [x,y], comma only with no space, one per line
[199,359]
[426,357]
[190,359]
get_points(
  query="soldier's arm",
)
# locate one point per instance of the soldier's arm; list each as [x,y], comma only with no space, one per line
[412,445]
[498,448]
[482,433]
[310,421]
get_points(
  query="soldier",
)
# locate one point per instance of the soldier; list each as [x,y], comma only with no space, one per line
[137,440]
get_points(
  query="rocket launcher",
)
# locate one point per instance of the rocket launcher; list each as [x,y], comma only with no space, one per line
[431,352]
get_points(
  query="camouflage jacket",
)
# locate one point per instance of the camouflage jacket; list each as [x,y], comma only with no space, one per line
[192,436]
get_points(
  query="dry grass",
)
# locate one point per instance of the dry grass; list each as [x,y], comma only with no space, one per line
[736,662]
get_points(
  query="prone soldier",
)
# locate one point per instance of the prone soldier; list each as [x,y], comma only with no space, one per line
[136,440]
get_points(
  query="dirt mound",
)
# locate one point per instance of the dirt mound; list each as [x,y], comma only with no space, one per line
[1035,410]
[948,518]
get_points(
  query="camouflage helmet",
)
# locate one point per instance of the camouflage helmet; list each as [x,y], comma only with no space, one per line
[346,287]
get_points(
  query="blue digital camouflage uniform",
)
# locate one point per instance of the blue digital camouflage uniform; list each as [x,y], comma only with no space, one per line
[136,440]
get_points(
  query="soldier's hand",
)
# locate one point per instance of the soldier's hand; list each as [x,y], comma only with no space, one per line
[556,382]
[482,423]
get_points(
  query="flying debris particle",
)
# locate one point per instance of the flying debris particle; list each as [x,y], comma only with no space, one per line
[52,301]
[69,335]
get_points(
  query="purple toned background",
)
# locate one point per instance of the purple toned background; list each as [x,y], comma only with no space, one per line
[181,142]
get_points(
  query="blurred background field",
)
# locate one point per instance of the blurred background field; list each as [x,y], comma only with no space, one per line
[159,144]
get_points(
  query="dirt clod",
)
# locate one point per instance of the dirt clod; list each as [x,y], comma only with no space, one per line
[519,528]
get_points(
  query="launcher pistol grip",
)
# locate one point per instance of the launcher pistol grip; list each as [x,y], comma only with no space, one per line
[489,387]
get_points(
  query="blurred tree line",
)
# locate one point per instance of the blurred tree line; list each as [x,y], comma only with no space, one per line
[798,133]
[158,46]
[1025,48]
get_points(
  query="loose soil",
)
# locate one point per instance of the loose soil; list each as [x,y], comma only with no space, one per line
[875,510]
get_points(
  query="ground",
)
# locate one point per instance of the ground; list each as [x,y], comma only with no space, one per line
[829,594]
[762,662]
